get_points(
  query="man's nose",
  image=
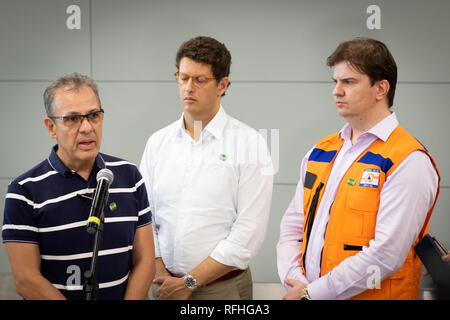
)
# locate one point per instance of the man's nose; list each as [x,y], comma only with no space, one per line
[338,90]
[85,125]
[190,86]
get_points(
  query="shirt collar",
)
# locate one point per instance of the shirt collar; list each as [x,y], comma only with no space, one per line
[215,127]
[381,130]
[62,169]
[217,124]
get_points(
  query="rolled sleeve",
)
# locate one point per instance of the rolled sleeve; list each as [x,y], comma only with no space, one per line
[231,254]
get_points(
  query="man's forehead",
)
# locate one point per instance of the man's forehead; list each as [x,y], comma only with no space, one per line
[345,69]
[189,65]
[75,99]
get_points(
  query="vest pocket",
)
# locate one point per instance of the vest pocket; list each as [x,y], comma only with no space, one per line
[364,199]
[348,247]
[363,204]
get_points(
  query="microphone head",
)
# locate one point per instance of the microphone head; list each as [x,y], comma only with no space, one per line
[105,174]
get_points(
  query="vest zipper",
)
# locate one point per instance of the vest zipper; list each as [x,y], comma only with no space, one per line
[324,235]
[311,216]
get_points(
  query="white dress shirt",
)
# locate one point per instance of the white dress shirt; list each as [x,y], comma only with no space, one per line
[208,198]
[405,199]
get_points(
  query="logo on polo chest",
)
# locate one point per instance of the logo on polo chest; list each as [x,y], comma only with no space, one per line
[370,178]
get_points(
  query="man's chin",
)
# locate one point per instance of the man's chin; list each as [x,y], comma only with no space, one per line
[87,155]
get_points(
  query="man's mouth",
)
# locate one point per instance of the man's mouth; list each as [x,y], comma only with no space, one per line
[86,144]
[189,99]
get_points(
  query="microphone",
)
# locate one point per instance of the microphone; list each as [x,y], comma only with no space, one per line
[104,179]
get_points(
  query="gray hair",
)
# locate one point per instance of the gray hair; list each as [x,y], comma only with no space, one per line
[70,82]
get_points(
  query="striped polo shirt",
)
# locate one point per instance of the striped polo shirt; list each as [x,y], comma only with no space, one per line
[49,206]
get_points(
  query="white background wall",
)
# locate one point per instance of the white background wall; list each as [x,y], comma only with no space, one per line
[279,78]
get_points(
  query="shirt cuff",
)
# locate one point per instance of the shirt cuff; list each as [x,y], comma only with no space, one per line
[320,289]
[231,254]
[295,274]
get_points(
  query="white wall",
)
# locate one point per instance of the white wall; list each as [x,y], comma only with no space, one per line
[279,78]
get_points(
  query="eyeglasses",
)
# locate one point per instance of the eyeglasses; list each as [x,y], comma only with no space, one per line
[183,78]
[76,119]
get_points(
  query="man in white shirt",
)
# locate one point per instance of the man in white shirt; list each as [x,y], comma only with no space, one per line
[209,180]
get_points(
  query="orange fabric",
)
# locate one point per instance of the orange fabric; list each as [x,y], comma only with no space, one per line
[354,211]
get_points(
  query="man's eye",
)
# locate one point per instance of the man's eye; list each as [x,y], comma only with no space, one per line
[94,115]
[200,79]
[73,118]
[183,77]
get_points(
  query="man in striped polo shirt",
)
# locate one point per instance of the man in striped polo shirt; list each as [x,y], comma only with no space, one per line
[46,208]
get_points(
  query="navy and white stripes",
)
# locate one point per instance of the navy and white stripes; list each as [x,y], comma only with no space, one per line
[49,205]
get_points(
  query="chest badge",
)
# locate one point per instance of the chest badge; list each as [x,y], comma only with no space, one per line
[112,206]
[370,178]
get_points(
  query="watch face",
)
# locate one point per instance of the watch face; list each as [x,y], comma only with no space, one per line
[190,282]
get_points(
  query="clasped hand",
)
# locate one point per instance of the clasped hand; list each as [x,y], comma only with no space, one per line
[172,288]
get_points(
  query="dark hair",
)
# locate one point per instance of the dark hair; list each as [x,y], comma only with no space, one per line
[370,57]
[209,51]
[71,81]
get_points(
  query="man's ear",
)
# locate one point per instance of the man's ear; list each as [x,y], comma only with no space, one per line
[383,87]
[50,127]
[223,85]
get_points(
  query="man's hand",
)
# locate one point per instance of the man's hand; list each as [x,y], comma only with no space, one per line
[296,291]
[172,288]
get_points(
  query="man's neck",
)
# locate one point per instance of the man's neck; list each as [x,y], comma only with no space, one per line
[363,123]
[83,169]
[84,173]
[195,124]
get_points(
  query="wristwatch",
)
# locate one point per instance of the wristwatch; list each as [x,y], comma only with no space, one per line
[190,282]
[305,295]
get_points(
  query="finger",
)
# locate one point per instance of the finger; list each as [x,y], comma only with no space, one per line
[161,292]
[159,280]
[289,282]
[446,258]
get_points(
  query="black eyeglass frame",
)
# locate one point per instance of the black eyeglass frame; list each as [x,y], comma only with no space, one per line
[80,116]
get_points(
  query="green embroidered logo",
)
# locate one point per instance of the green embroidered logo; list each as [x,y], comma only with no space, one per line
[112,206]
[223,157]
[351,182]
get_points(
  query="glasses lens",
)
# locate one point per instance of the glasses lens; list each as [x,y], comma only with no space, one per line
[183,78]
[71,121]
[200,80]
[95,117]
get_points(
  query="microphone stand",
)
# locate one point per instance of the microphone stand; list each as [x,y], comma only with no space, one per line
[90,286]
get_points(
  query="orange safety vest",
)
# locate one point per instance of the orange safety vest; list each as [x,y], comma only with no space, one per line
[353,214]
